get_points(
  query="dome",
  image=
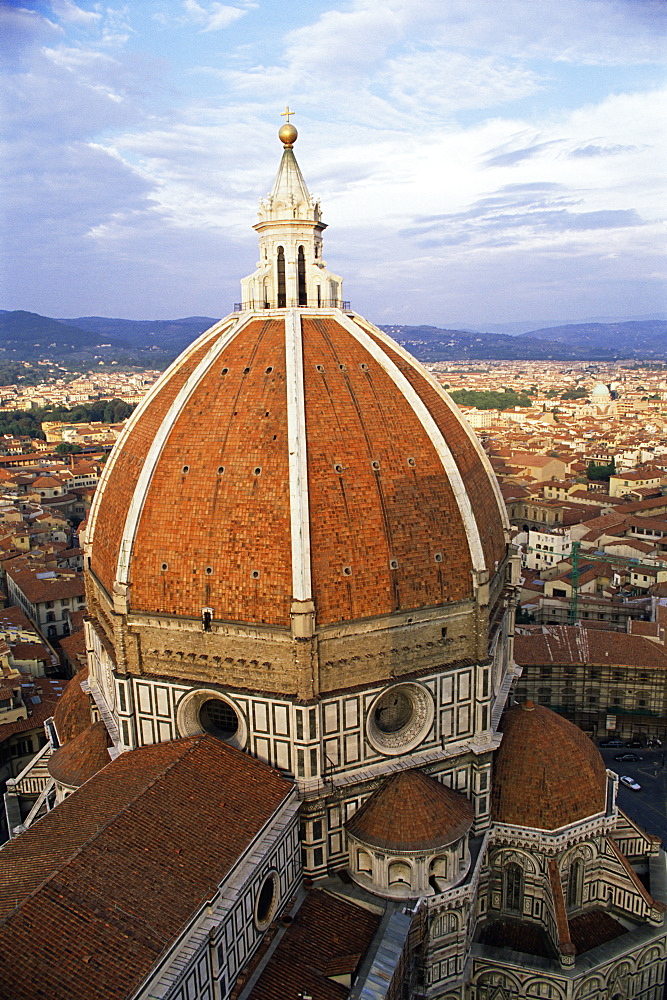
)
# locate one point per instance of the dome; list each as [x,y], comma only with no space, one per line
[82,757]
[600,391]
[547,773]
[372,493]
[72,712]
[412,812]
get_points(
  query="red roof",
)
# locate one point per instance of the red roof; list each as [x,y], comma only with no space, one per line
[547,773]
[112,876]
[412,812]
[328,937]
[571,644]
[381,502]
[82,757]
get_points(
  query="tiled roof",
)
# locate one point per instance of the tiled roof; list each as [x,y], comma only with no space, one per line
[49,692]
[97,890]
[82,757]
[547,773]
[570,644]
[72,714]
[383,501]
[588,930]
[63,583]
[326,933]
[412,812]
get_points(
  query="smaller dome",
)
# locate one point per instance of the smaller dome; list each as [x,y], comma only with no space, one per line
[412,812]
[547,773]
[72,712]
[82,757]
[600,390]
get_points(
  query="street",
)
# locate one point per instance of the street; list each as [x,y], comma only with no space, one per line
[647,807]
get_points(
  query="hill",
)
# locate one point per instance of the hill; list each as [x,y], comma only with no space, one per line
[645,338]
[27,336]
[169,335]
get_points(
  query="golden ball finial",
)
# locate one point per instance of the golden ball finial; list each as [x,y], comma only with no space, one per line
[287,134]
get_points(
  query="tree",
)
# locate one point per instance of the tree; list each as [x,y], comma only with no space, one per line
[600,473]
[68,449]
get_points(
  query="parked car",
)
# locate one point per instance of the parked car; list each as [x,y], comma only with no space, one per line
[627,756]
[634,743]
[630,783]
[655,742]
[612,743]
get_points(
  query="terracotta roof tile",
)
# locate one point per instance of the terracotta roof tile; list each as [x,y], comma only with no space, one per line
[72,714]
[547,773]
[412,812]
[326,934]
[82,757]
[111,876]
[571,644]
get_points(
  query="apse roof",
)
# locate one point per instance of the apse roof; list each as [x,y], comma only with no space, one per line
[412,812]
[547,772]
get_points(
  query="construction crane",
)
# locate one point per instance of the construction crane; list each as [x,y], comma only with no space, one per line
[574,576]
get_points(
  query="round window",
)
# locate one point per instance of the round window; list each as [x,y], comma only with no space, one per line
[209,712]
[266,901]
[400,718]
[218,718]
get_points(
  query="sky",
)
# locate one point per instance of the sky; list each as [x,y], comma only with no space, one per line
[479,162]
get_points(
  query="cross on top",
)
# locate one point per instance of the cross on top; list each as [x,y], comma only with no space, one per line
[286,113]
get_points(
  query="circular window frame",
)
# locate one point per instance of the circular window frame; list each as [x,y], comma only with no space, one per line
[187,716]
[415,730]
[274,878]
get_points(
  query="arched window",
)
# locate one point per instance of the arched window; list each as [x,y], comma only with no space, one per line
[399,873]
[282,296]
[513,887]
[364,863]
[574,884]
[301,272]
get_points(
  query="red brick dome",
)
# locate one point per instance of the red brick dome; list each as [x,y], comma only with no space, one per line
[547,773]
[302,455]
[72,712]
[82,757]
[412,812]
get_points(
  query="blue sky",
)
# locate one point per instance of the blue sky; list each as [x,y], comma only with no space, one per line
[478,162]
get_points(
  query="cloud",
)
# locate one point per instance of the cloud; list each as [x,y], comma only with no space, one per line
[593,150]
[67,11]
[518,155]
[214,17]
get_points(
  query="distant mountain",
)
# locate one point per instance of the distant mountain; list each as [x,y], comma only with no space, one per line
[31,333]
[638,338]
[430,343]
[26,336]
[170,335]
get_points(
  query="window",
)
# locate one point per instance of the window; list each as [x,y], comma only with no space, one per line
[513,887]
[399,873]
[50,617]
[574,883]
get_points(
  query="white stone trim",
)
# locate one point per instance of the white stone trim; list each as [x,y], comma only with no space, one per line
[159,441]
[298,459]
[434,433]
[452,406]
[139,412]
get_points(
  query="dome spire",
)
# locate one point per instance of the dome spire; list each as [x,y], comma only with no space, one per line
[290,272]
[287,133]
